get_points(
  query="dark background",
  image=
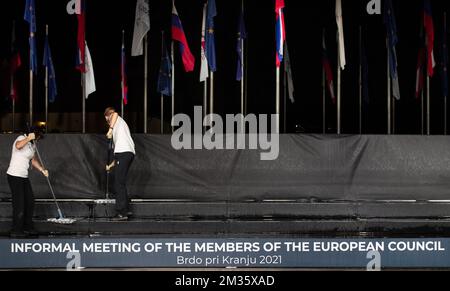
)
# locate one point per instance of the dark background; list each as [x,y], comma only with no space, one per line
[305,21]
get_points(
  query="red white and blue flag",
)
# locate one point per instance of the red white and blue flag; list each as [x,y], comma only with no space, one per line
[280,32]
[179,35]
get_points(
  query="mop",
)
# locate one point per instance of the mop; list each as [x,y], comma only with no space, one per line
[61,219]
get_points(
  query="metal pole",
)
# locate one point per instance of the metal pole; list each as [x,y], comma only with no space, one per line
[360,80]
[324,111]
[12,91]
[445,115]
[422,112]
[211,93]
[173,83]
[145,82]
[285,100]
[277,106]
[83,96]
[122,109]
[393,115]
[31,93]
[339,93]
[428,106]
[46,88]
[242,77]
[162,96]
[388,89]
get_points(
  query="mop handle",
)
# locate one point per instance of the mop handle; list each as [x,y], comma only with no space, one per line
[48,181]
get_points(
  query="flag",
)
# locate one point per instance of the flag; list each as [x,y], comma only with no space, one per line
[30,17]
[364,74]
[280,32]
[242,34]
[391,28]
[165,73]
[204,73]
[90,79]
[123,74]
[419,72]
[48,63]
[141,27]
[81,37]
[14,64]
[288,71]
[444,59]
[328,71]
[429,32]
[179,35]
[341,42]
[210,37]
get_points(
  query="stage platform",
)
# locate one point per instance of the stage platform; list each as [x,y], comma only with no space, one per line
[288,218]
[326,185]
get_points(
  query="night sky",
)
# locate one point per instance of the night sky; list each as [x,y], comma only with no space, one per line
[305,21]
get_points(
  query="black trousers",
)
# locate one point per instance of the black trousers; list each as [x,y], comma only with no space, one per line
[123,163]
[22,202]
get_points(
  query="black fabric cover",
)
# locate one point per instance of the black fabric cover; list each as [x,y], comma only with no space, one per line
[309,166]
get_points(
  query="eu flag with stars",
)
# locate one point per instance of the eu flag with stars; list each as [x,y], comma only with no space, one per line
[48,63]
[30,17]
[210,38]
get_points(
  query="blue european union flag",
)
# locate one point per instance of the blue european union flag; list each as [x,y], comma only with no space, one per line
[165,73]
[30,17]
[210,38]
[48,63]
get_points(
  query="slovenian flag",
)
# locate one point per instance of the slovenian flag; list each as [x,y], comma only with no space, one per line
[179,35]
[280,32]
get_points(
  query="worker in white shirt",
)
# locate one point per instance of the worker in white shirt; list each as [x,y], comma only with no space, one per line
[23,151]
[124,152]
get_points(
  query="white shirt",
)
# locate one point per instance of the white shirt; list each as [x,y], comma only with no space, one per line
[20,159]
[123,143]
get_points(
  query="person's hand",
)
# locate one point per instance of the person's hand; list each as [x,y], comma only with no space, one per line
[31,136]
[109,135]
[45,173]
[109,167]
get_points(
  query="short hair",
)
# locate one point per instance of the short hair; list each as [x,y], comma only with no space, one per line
[109,111]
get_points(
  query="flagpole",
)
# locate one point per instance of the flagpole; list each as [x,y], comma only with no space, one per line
[428,106]
[339,92]
[445,97]
[12,89]
[46,87]
[31,89]
[360,79]
[145,82]
[83,87]
[242,75]
[162,96]
[388,89]
[172,52]
[278,100]
[211,93]
[422,112]
[324,111]
[122,109]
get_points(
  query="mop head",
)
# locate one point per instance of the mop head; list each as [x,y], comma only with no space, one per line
[61,220]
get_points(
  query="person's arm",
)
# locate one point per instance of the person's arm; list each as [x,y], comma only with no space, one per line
[112,123]
[35,163]
[20,144]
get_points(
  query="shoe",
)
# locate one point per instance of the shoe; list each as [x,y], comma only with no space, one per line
[120,217]
[17,234]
